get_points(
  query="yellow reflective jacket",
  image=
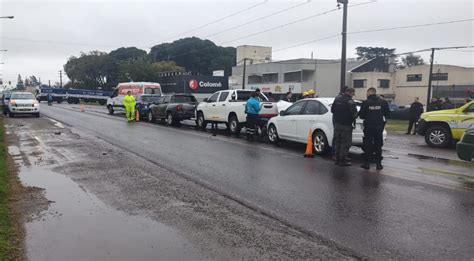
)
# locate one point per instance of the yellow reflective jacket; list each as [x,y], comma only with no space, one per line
[129,101]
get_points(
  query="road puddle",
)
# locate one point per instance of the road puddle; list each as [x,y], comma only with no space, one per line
[78,226]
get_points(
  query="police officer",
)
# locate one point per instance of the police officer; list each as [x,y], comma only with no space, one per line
[373,111]
[344,112]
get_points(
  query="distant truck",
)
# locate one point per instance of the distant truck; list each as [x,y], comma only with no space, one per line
[136,88]
[73,96]
[229,107]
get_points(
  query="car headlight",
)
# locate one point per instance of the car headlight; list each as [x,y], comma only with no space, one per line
[36,104]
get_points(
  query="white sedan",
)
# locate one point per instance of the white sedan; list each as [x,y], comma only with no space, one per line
[312,114]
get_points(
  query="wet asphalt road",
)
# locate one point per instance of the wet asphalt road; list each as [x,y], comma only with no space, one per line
[376,214]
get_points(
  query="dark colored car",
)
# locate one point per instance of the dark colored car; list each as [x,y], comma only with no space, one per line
[4,102]
[465,147]
[173,108]
[144,102]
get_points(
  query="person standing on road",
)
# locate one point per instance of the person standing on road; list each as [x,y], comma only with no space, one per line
[344,112]
[434,104]
[129,104]
[373,111]
[447,104]
[289,96]
[252,108]
[416,109]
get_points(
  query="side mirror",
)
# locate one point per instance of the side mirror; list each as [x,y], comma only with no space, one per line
[283,113]
[205,99]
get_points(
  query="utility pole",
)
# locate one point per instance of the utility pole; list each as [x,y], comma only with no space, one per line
[344,40]
[430,77]
[243,80]
[49,83]
[60,79]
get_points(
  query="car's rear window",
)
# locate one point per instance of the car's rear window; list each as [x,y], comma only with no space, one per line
[182,98]
[22,96]
[150,98]
[152,91]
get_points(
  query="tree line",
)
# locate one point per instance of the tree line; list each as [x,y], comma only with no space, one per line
[105,70]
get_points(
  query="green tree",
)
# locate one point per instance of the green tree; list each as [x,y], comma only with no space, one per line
[411,60]
[373,52]
[195,54]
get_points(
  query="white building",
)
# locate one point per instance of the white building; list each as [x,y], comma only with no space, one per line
[403,85]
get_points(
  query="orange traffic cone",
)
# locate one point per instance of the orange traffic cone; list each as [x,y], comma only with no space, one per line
[309,145]
[137,115]
[82,108]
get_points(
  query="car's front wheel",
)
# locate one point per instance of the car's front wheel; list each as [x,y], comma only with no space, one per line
[320,143]
[110,108]
[37,115]
[200,121]
[169,119]
[273,134]
[150,117]
[438,137]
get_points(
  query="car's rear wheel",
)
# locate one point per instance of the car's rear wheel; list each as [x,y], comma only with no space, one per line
[320,143]
[438,137]
[200,121]
[169,119]
[273,134]
[234,126]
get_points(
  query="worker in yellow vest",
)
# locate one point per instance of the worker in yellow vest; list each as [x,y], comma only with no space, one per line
[129,104]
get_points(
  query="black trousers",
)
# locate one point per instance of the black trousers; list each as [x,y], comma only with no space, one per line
[373,142]
[252,121]
[413,121]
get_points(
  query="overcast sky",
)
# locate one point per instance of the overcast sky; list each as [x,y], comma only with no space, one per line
[44,34]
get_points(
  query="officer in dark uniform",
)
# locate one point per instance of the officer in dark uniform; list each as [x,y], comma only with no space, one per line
[373,111]
[344,112]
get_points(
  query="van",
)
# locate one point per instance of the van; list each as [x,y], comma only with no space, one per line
[136,88]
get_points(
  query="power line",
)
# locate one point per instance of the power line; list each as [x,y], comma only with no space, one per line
[410,26]
[243,24]
[55,42]
[217,20]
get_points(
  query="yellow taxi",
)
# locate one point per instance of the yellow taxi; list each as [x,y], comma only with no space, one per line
[441,128]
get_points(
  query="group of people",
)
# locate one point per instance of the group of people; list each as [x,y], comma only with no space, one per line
[437,104]
[373,111]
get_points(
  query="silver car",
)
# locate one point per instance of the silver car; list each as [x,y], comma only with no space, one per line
[23,103]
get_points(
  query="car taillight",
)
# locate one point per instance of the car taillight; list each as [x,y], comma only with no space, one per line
[179,107]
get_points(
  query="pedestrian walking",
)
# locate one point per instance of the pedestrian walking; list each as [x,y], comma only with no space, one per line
[344,112]
[373,111]
[434,105]
[252,108]
[416,109]
[447,104]
[129,104]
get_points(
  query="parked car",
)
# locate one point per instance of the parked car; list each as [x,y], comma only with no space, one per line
[465,147]
[313,114]
[5,100]
[23,103]
[229,107]
[441,128]
[144,101]
[136,88]
[173,108]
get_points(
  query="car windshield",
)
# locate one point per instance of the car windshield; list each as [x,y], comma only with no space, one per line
[22,96]
[182,98]
[152,91]
[150,98]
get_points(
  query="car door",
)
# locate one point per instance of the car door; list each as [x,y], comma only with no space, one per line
[222,110]
[287,122]
[210,111]
[162,107]
[313,113]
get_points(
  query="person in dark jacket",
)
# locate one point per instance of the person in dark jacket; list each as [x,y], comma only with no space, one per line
[447,104]
[289,96]
[434,105]
[344,112]
[373,111]
[416,109]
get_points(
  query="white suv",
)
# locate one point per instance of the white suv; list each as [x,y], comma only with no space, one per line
[23,103]
[310,114]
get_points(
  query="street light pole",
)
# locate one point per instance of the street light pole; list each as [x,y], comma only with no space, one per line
[243,80]
[344,40]
[430,77]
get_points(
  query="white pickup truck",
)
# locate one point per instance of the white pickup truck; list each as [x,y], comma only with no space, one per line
[229,107]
